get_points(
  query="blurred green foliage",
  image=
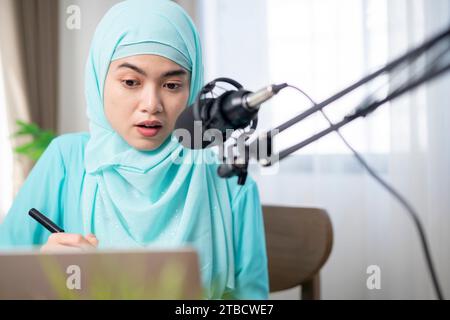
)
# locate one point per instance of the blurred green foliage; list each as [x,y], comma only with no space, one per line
[40,139]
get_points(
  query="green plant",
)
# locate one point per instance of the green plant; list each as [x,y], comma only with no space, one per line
[40,139]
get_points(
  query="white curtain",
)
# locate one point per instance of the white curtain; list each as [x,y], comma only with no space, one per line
[13,105]
[323,46]
[6,176]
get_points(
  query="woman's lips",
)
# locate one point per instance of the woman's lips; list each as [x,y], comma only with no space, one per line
[148,132]
[149,128]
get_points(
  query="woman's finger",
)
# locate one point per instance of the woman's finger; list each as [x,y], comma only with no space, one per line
[92,239]
[69,239]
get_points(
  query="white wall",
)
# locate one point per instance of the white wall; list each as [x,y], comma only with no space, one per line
[74,46]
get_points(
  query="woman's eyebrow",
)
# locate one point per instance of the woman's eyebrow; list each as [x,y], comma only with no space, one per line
[132,67]
[171,73]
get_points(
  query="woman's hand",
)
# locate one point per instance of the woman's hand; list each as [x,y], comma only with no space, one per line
[69,242]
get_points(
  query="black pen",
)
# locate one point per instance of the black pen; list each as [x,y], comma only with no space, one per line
[43,220]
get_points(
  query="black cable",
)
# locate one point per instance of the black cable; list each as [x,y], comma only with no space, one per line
[395,194]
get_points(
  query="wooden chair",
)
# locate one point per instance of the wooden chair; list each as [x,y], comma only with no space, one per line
[299,242]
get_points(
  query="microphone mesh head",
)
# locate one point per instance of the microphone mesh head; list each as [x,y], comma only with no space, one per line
[190,131]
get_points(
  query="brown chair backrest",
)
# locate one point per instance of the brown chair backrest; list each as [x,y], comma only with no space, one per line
[299,242]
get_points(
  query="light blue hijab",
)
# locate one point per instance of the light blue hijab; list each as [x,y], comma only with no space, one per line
[131,197]
[129,28]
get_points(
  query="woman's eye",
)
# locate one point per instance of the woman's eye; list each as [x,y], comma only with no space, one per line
[130,83]
[172,86]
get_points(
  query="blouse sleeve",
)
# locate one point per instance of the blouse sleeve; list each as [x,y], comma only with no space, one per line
[41,190]
[251,271]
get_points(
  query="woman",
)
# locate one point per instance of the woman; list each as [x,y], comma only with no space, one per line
[129,183]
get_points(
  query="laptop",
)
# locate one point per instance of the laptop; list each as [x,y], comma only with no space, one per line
[95,275]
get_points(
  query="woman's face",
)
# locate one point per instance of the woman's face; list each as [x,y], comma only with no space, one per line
[143,97]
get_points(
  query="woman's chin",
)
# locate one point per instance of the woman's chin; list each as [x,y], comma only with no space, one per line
[145,144]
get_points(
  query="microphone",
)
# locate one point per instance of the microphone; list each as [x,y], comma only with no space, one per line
[230,111]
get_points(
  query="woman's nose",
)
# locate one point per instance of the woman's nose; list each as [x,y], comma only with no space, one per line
[151,103]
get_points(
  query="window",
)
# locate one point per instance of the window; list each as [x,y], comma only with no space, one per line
[322,47]
[319,46]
